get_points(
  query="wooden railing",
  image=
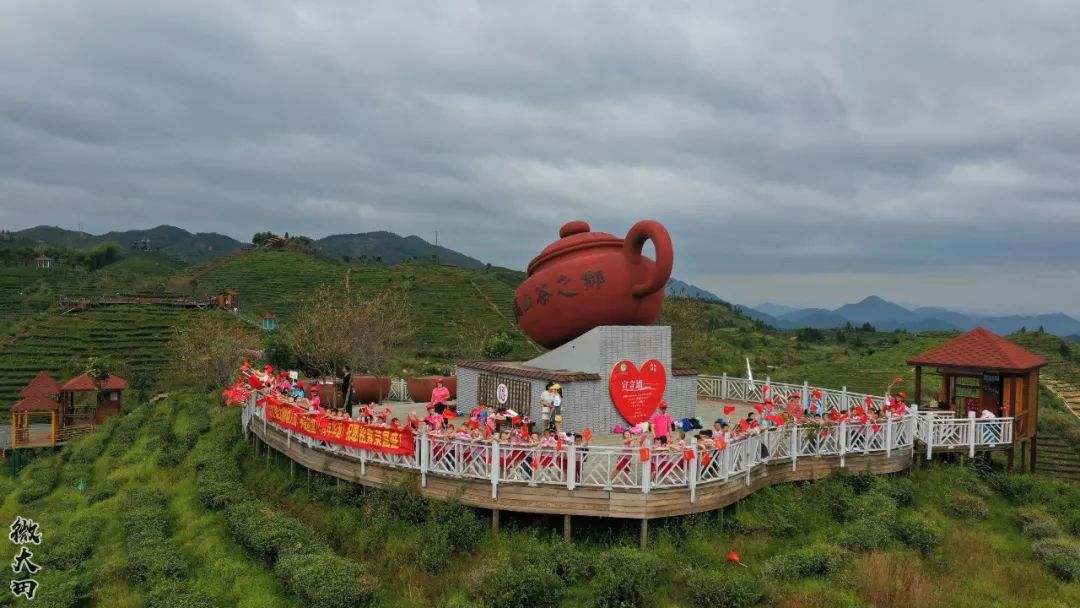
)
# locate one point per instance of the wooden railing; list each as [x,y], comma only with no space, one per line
[616,467]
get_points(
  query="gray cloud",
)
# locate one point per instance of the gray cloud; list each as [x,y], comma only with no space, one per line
[830,139]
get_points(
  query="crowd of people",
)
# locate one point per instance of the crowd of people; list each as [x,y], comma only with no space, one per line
[662,440]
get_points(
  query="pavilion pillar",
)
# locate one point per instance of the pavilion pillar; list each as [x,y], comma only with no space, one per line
[946,386]
[1023,454]
[918,385]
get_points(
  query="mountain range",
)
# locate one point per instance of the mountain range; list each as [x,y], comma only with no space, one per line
[198,247]
[888,316]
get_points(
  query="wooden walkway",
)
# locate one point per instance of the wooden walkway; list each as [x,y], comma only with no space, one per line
[582,501]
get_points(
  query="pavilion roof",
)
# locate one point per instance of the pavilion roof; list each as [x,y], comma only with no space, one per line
[980,348]
[36,403]
[42,384]
[84,382]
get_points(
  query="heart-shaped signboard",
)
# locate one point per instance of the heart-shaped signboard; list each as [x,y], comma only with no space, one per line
[636,392]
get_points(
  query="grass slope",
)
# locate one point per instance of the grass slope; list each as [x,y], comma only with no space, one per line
[444,298]
[944,536]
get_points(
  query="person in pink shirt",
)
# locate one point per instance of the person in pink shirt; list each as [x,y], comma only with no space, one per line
[661,422]
[440,396]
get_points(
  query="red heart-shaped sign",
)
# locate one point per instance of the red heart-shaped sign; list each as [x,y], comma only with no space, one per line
[636,392]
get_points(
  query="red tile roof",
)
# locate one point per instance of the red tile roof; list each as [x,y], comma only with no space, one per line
[84,383]
[36,403]
[42,384]
[980,348]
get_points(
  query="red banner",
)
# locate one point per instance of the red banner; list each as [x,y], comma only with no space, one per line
[342,432]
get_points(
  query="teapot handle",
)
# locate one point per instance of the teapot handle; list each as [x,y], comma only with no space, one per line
[665,255]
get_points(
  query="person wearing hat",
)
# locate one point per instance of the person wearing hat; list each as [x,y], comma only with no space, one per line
[661,422]
[556,408]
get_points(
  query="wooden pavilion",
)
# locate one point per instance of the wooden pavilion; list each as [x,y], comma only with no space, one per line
[979,371]
[50,413]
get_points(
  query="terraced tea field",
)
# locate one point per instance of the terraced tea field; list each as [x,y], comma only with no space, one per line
[136,337]
[21,286]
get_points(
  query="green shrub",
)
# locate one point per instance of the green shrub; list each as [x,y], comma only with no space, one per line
[174,594]
[126,432]
[818,560]
[88,448]
[463,528]
[867,534]
[145,515]
[219,484]
[839,501]
[266,532]
[521,586]
[966,506]
[767,512]
[172,454]
[399,501]
[1036,524]
[1060,556]
[68,551]
[1071,519]
[731,589]
[858,482]
[325,579]
[38,480]
[434,551]
[624,579]
[150,561]
[568,562]
[919,533]
[901,491]
[104,490]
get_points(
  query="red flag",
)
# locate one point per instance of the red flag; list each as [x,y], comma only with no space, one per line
[743,425]
[535,462]
[721,444]
[733,557]
[876,428]
[688,454]
[760,409]
[817,393]
[706,459]
[729,410]
[587,434]
[765,388]
[869,401]
[644,454]
[641,442]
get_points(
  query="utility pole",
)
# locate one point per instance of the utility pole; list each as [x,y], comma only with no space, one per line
[436,238]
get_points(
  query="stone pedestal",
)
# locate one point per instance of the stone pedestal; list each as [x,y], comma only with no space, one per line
[583,367]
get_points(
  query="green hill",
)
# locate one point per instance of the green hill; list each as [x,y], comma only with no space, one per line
[391,248]
[169,506]
[177,242]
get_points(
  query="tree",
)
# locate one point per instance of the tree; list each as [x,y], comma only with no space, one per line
[262,238]
[867,328]
[338,327]
[210,349]
[689,321]
[1066,352]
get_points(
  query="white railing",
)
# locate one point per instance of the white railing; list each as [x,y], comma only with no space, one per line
[399,390]
[617,467]
[732,388]
[945,431]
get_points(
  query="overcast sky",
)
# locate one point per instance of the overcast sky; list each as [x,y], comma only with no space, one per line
[808,153]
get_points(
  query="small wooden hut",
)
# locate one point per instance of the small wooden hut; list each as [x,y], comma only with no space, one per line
[979,371]
[87,401]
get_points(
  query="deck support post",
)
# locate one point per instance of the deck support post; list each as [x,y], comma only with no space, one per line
[843,436]
[496,463]
[1009,460]
[1033,453]
[971,434]
[566,527]
[292,469]
[308,480]
[929,437]
[494,521]
[794,449]
[888,436]
[724,387]
[644,534]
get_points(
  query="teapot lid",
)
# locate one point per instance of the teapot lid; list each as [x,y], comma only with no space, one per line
[574,235]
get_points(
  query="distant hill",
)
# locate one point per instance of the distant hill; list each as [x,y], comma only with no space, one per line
[774,310]
[675,287]
[177,242]
[889,316]
[390,248]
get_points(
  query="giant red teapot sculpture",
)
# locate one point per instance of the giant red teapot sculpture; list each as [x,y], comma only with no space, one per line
[587,279]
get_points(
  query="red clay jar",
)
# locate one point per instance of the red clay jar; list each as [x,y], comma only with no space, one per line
[420,387]
[370,389]
[587,279]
